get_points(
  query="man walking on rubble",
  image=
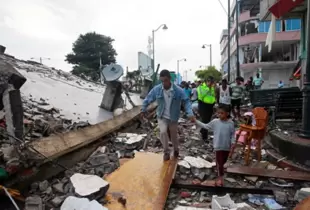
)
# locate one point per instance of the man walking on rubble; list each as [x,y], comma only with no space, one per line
[169,98]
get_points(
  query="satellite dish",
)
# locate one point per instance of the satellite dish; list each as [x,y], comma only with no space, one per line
[112,72]
[145,72]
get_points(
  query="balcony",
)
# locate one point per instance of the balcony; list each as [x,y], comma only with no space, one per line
[258,38]
[247,67]
[261,37]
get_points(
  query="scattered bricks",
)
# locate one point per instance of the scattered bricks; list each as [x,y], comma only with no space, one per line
[34,203]
[43,185]
[57,201]
[100,159]
[281,197]
[58,188]
[185,195]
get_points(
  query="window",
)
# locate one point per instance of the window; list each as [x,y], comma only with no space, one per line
[278,26]
[292,24]
[263,27]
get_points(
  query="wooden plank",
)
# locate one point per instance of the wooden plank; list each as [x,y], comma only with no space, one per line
[144,181]
[282,174]
[180,184]
[60,144]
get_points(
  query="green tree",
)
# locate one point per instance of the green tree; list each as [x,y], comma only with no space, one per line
[86,53]
[210,71]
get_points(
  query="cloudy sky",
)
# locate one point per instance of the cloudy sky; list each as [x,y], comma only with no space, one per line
[47,28]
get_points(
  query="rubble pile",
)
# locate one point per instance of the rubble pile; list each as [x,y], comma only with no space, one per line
[43,119]
[103,161]
[196,164]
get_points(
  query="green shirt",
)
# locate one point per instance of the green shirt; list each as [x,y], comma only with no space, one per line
[237,91]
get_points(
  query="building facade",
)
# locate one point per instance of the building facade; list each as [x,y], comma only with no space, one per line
[254,56]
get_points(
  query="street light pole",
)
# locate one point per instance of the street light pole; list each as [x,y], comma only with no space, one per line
[228,44]
[210,46]
[237,36]
[178,66]
[305,128]
[164,26]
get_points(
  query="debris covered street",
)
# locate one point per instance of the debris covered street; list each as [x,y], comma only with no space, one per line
[194,165]
[177,105]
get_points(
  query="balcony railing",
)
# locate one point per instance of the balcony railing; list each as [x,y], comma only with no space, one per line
[258,38]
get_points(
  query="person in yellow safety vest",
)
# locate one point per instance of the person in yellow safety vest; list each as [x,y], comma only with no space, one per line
[206,100]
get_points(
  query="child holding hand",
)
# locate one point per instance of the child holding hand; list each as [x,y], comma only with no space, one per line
[224,137]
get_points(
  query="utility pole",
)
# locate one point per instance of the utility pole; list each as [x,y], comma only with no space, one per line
[228,44]
[305,128]
[237,35]
[210,55]
[164,27]
[178,66]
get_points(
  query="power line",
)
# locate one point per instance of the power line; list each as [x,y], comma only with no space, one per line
[222,7]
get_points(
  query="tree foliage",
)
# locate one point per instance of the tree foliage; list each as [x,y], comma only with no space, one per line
[210,71]
[86,53]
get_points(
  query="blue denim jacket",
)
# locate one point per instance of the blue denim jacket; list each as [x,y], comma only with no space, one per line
[178,96]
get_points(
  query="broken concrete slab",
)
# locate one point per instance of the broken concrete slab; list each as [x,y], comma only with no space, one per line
[85,185]
[74,203]
[198,162]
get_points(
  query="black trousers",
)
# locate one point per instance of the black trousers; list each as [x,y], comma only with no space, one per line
[205,112]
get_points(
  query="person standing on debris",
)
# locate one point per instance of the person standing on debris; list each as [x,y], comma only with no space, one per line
[187,90]
[236,97]
[249,84]
[194,93]
[258,82]
[206,100]
[169,98]
[224,138]
[224,94]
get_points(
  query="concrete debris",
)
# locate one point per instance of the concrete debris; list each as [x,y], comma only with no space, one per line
[42,119]
[34,203]
[302,194]
[127,143]
[225,202]
[74,203]
[198,162]
[85,185]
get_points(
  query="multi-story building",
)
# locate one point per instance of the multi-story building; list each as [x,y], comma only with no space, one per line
[254,57]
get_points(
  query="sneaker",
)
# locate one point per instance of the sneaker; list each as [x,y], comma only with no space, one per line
[166,157]
[176,154]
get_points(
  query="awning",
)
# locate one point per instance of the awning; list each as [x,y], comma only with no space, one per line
[281,7]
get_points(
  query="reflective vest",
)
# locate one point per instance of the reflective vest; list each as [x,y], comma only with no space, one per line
[206,94]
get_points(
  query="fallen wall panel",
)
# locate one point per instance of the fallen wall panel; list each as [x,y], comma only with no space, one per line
[60,144]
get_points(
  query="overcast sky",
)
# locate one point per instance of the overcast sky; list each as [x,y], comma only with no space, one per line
[47,28]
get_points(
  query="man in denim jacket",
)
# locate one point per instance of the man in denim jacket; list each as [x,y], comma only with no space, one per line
[169,98]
